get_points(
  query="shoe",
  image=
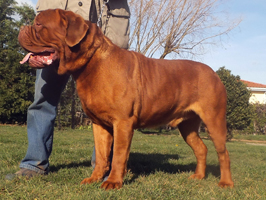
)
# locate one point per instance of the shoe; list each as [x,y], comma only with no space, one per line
[23,172]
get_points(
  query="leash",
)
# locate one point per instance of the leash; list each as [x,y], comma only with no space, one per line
[105,2]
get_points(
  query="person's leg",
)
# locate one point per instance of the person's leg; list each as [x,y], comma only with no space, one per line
[93,158]
[40,119]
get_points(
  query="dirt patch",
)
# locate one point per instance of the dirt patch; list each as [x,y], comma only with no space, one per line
[256,144]
[252,142]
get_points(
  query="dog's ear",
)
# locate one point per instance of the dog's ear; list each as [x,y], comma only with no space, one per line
[76,28]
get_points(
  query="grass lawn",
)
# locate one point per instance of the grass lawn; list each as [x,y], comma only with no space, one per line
[158,168]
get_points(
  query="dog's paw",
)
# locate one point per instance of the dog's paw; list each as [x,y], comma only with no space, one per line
[196,176]
[89,180]
[225,184]
[107,185]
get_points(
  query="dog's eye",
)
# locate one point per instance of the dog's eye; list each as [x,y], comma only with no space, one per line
[37,26]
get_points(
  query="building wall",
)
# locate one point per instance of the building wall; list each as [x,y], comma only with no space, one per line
[258,97]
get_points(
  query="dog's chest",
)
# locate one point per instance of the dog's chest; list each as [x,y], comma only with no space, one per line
[95,109]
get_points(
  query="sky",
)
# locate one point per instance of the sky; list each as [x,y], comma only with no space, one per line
[244,50]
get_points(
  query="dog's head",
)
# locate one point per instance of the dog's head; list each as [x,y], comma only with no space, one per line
[53,38]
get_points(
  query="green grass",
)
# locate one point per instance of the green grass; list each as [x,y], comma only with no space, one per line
[158,168]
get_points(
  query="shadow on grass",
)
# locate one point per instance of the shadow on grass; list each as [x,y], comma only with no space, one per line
[56,168]
[144,164]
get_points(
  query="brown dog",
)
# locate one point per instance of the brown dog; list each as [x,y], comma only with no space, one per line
[122,90]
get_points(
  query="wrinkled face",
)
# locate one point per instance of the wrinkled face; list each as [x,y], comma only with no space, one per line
[47,39]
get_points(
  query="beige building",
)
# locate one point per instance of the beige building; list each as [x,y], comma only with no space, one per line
[258,92]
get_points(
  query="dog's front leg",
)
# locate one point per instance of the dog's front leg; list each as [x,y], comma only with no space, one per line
[123,133]
[103,139]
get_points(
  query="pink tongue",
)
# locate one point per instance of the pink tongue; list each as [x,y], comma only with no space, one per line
[26,58]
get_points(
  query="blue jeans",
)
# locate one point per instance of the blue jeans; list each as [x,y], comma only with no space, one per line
[41,117]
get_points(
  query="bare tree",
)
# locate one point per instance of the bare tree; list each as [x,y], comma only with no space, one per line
[184,27]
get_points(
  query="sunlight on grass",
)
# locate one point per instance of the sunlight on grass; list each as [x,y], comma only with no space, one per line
[158,168]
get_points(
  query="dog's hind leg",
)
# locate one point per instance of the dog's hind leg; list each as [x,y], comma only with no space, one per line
[216,125]
[189,131]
